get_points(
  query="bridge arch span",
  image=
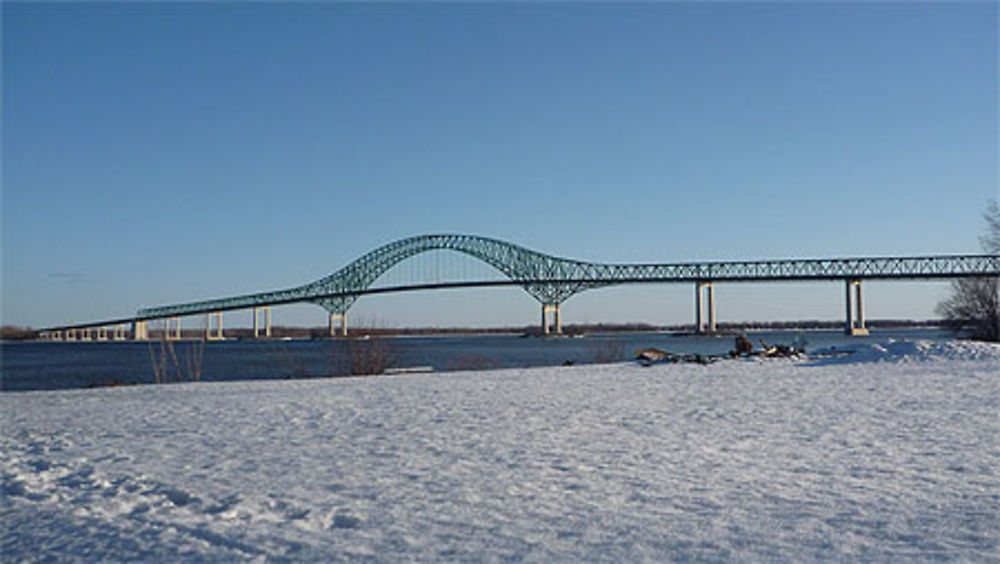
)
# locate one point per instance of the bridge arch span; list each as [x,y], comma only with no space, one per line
[513,261]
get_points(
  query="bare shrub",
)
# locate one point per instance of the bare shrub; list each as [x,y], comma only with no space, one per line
[371,356]
[167,364]
[974,304]
[973,308]
[362,354]
[605,351]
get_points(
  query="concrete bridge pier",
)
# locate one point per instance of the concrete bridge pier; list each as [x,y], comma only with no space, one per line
[338,317]
[556,325]
[704,291]
[218,336]
[102,333]
[140,330]
[175,334]
[267,322]
[120,331]
[854,324]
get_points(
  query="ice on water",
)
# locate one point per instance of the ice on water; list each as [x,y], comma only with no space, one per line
[891,453]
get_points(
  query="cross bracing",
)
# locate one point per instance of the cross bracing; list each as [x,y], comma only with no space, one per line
[551,280]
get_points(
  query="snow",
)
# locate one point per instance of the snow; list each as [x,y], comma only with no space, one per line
[891,453]
[910,351]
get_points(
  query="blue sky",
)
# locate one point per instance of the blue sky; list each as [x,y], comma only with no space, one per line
[162,153]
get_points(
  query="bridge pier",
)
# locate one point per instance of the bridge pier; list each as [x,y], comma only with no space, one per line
[102,333]
[334,318]
[119,332]
[176,323]
[140,330]
[706,291]
[218,336]
[267,322]
[556,319]
[854,324]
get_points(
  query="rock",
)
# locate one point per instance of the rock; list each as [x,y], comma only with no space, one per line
[652,355]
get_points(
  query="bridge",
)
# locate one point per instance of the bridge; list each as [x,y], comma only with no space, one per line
[548,279]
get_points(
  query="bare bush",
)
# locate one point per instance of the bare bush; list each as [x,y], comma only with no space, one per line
[605,351]
[167,365]
[371,356]
[361,354]
[974,305]
[973,308]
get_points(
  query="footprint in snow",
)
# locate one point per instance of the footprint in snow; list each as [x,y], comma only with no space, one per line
[344,521]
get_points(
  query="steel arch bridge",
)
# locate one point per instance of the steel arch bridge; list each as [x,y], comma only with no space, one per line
[551,280]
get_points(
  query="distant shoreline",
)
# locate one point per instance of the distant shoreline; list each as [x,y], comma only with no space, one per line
[9,333]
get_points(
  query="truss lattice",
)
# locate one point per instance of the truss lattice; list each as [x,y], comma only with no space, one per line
[551,280]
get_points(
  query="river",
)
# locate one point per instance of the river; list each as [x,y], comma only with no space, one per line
[63,365]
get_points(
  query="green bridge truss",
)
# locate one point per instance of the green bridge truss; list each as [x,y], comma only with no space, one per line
[551,280]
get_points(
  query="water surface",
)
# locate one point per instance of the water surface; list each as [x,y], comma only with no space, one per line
[61,365]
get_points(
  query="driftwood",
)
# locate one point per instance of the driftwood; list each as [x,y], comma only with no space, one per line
[768,351]
[743,349]
[650,356]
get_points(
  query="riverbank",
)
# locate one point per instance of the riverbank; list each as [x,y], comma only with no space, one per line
[58,365]
[886,455]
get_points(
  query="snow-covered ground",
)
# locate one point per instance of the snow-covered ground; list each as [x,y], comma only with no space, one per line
[892,453]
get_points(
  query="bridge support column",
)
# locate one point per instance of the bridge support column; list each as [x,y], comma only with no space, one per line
[120,331]
[334,318]
[140,330]
[267,322]
[556,325]
[176,322]
[102,333]
[218,336]
[706,291]
[86,334]
[854,324]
